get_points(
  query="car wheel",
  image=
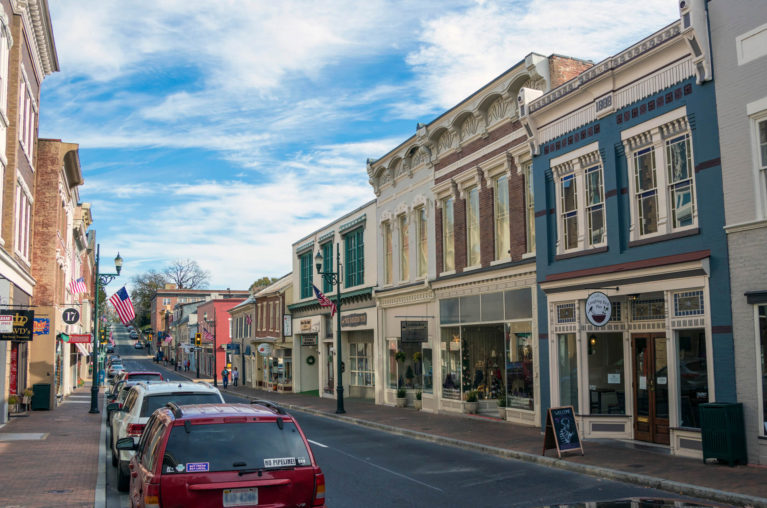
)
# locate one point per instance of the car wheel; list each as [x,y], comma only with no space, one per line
[123,478]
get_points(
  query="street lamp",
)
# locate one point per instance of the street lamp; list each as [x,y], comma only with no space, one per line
[334,278]
[100,280]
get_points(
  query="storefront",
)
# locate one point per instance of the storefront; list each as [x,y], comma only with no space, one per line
[486,348]
[358,337]
[307,340]
[633,359]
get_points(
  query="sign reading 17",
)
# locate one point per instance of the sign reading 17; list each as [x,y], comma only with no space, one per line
[70,316]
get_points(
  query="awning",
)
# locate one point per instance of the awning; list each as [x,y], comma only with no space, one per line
[82,349]
[258,340]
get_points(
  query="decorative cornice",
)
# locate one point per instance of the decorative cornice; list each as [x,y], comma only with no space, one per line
[303,248]
[352,223]
[329,234]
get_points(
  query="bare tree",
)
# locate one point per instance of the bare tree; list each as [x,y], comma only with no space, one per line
[145,286]
[187,274]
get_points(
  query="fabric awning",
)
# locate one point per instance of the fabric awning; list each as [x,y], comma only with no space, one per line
[82,349]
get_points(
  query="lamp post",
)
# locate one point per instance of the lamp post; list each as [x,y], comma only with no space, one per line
[334,278]
[100,280]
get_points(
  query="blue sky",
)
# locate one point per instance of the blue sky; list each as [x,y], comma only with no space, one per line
[224,131]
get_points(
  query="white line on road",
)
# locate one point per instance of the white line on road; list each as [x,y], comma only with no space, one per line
[318,444]
[389,471]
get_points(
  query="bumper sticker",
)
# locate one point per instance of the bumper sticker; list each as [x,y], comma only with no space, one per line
[197,467]
[280,462]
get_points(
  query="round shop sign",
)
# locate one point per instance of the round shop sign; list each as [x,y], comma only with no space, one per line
[264,349]
[598,309]
[70,316]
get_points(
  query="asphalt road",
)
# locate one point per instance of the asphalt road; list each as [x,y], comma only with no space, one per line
[365,467]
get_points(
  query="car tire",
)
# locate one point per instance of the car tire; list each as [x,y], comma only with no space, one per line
[123,478]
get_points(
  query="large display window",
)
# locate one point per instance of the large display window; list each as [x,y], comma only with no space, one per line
[450,348]
[568,370]
[482,358]
[607,388]
[428,370]
[693,375]
[519,365]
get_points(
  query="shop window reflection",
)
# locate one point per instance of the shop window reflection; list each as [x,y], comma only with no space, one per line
[428,371]
[763,352]
[482,357]
[519,365]
[392,377]
[693,375]
[450,346]
[607,393]
[568,370]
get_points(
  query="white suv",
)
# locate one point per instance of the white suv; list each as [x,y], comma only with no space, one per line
[142,400]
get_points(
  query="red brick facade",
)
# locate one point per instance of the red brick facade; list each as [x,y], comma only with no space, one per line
[563,69]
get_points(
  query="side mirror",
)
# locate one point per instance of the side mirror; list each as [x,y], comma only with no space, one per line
[126,443]
[114,406]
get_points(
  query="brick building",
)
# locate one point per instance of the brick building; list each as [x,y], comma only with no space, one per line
[27,56]
[213,322]
[456,234]
[59,257]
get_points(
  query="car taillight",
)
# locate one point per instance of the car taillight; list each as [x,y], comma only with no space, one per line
[152,496]
[135,429]
[319,490]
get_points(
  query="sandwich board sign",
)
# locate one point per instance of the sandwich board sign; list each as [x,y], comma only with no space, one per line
[561,431]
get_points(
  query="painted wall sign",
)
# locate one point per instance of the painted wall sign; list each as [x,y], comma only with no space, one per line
[309,325]
[598,309]
[70,316]
[23,324]
[414,331]
[264,349]
[309,339]
[352,320]
[42,326]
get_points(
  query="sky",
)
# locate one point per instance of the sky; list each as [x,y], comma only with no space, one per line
[224,131]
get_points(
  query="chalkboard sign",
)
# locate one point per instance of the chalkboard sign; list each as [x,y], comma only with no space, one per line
[561,431]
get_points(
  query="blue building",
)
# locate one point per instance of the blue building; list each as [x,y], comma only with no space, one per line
[634,321]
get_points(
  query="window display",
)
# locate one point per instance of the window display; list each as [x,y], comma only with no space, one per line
[482,357]
[428,371]
[693,375]
[607,391]
[519,365]
[451,362]
[361,359]
[568,370]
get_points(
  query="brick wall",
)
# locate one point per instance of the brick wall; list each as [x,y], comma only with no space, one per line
[563,69]
[517,219]
[47,225]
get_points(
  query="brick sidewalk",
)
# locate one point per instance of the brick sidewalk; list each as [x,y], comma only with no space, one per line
[50,458]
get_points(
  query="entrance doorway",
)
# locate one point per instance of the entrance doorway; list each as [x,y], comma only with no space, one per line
[651,416]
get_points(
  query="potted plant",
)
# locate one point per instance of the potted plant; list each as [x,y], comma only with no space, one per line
[401,397]
[13,403]
[417,402]
[470,406]
[27,397]
[400,356]
[502,403]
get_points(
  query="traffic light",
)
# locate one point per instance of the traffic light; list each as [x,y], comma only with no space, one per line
[197,339]
[103,336]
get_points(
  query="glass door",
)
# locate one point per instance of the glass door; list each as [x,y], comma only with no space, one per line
[651,417]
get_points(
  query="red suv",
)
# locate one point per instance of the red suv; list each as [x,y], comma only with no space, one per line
[223,455]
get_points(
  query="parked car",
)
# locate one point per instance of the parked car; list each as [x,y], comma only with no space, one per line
[138,345]
[142,400]
[223,455]
[121,390]
[114,369]
[142,375]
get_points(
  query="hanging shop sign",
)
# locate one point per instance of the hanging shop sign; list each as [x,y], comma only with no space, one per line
[70,316]
[80,338]
[414,331]
[42,326]
[561,431]
[264,349]
[22,325]
[352,320]
[598,309]
[287,325]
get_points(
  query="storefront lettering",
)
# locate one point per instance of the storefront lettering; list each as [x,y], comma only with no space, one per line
[23,324]
[351,320]
[309,340]
[309,325]
[414,331]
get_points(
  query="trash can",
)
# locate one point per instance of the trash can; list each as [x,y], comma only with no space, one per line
[41,398]
[722,432]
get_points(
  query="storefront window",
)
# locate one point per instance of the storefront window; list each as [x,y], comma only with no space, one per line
[361,359]
[451,363]
[482,355]
[607,392]
[519,365]
[410,364]
[428,371]
[568,370]
[693,375]
[392,348]
[763,352]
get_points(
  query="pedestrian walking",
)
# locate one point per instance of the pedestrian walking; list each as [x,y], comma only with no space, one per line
[235,376]
[225,377]
[187,365]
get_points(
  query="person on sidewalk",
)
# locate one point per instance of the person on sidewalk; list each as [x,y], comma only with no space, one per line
[235,376]
[225,377]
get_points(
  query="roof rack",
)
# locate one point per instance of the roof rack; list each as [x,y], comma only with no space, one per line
[175,409]
[270,405]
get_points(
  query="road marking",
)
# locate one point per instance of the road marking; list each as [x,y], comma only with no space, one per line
[318,444]
[389,471]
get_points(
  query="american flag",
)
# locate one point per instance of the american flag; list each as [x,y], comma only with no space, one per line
[248,319]
[123,305]
[324,301]
[207,335]
[78,286]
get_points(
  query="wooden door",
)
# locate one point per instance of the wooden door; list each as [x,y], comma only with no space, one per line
[651,406]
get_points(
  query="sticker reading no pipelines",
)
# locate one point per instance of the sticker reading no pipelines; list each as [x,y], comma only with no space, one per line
[281,462]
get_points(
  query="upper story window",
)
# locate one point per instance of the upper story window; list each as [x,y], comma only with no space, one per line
[27,118]
[757,112]
[423,242]
[327,265]
[529,209]
[580,198]
[305,274]
[501,214]
[23,220]
[662,183]
[404,248]
[354,248]
[387,245]
[166,301]
[448,235]
[472,227]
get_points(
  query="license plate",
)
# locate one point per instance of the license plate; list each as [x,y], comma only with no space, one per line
[240,497]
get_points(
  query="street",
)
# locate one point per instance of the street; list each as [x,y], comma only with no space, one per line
[365,467]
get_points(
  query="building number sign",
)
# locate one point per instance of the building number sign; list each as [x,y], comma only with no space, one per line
[70,316]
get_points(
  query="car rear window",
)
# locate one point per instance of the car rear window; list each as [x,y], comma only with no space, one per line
[153,402]
[145,377]
[234,446]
